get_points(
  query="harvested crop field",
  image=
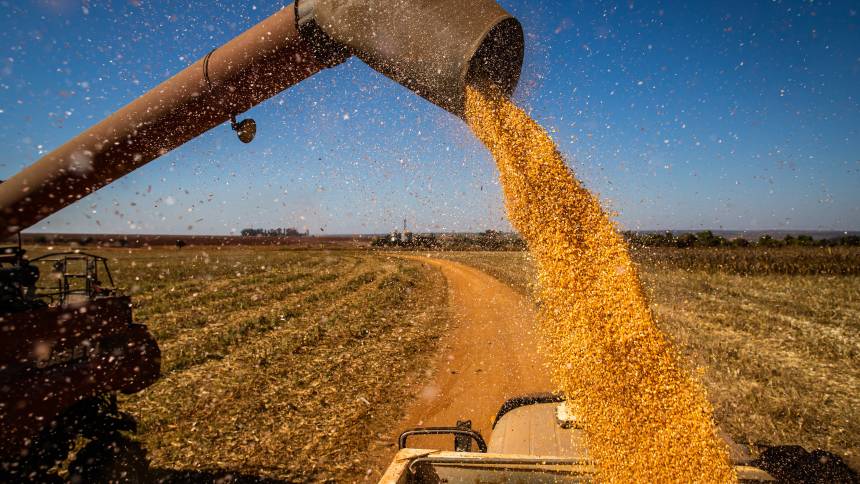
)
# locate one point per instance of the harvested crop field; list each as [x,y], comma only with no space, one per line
[296,365]
[775,333]
[277,364]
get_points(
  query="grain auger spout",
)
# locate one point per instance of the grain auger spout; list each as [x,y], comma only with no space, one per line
[433,47]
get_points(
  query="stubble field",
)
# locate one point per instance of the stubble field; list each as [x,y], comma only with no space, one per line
[279,365]
[295,365]
[774,334]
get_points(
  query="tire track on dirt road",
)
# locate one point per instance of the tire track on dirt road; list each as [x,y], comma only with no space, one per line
[490,355]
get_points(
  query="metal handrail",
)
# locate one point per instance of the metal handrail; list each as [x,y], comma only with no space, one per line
[482,445]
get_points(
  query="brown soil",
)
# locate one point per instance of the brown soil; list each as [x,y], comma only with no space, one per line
[490,355]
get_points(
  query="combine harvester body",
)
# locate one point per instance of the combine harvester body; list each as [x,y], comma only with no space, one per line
[68,346]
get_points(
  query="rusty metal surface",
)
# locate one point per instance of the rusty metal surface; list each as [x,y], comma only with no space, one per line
[534,430]
[259,63]
[53,357]
[24,335]
[431,47]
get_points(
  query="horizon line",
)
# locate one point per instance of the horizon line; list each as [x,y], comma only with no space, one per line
[354,234]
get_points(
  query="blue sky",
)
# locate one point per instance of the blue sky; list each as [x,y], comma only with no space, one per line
[732,115]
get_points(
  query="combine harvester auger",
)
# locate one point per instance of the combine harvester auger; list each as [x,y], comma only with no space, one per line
[67,352]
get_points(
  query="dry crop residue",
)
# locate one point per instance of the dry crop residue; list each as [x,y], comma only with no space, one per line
[764,335]
[277,364]
[648,420]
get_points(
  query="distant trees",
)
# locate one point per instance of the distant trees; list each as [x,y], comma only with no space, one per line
[739,242]
[707,238]
[495,240]
[278,232]
[406,239]
[767,241]
[487,240]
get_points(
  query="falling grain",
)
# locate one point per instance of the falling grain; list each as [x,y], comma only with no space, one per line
[647,418]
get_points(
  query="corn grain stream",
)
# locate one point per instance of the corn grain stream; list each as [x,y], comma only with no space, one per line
[647,418]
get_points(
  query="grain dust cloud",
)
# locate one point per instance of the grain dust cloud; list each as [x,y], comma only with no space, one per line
[647,418]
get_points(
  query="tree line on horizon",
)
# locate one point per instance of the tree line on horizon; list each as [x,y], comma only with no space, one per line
[277,232]
[707,238]
[487,240]
[496,240]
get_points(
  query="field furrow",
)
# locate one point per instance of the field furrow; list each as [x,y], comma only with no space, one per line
[301,399]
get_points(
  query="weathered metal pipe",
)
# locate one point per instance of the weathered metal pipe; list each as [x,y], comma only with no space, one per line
[249,69]
[434,47]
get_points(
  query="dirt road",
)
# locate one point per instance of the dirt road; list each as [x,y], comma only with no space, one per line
[490,356]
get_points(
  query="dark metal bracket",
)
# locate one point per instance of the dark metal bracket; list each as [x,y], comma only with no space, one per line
[245,129]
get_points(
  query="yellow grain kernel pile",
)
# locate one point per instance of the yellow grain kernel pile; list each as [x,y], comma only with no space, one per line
[647,418]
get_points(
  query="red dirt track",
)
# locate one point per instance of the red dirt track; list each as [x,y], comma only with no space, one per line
[490,355]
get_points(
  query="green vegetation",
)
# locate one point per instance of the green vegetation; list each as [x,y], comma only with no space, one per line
[278,232]
[495,240]
[487,240]
[707,238]
[759,260]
